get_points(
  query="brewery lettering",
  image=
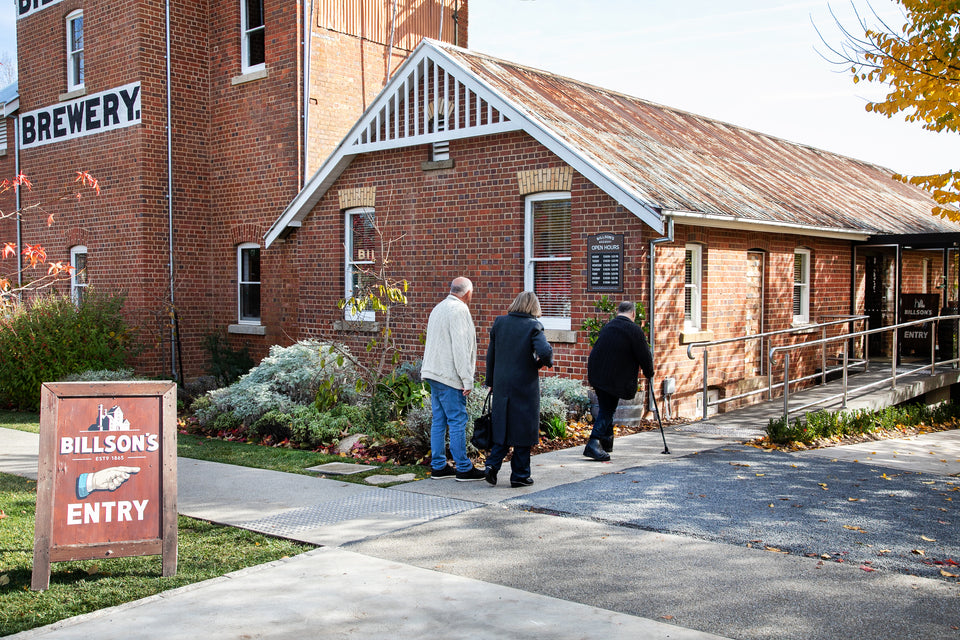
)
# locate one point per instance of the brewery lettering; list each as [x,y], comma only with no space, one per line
[26,7]
[113,109]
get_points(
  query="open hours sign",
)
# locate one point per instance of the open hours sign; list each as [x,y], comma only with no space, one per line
[605,256]
[106,480]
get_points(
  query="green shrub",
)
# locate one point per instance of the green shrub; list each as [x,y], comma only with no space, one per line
[572,393]
[418,422]
[312,428]
[273,424]
[102,375]
[50,337]
[826,424]
[226,363]
[551,410]
[288,377]
[556,429]
[225,422]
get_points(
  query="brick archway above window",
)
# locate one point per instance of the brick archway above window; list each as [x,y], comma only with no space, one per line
[247,232]
[358,197]
[77,236]
[538,180]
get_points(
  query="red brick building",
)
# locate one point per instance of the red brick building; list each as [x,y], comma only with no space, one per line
[201,121]
[520,179]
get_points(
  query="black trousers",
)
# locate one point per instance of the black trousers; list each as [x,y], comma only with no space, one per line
[607,404]
[519,463]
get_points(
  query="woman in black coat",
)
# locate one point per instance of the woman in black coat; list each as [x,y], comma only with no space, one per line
[518,349]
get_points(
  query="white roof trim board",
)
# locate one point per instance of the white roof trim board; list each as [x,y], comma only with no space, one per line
[403,116]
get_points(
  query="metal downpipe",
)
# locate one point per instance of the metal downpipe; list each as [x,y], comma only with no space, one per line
[173,336]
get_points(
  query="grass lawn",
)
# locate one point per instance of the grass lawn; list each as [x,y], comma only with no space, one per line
[205,550]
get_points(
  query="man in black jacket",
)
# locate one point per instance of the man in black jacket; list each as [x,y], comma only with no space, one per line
[618,356]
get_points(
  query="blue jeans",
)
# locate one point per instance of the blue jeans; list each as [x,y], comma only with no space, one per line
[603,426]
[519,463]
[449,412]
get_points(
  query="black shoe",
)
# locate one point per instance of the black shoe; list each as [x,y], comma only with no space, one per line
[446,472]
[595,451]
[472,474]
[492,476]
[607,444]
[522,482]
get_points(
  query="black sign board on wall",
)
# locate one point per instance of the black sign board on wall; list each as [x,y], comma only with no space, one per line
[605,257]
[917,306]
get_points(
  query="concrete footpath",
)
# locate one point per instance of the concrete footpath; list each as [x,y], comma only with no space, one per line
[715,540]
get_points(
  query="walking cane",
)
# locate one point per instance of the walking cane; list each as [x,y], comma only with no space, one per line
[656,412]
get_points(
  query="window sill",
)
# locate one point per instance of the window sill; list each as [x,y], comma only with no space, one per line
[435,165]
[249,77]
[70,95]
[804,327]
[247,329]
[560,336]
[695,335]
[356,326]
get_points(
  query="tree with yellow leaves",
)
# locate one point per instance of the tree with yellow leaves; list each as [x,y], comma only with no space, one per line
[921,64]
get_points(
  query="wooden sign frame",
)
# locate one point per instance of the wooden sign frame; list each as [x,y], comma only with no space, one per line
[106,484]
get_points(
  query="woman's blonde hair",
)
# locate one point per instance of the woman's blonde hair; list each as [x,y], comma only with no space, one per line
[526,302]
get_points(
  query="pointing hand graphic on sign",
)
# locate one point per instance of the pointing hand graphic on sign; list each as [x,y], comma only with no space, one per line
[108,479]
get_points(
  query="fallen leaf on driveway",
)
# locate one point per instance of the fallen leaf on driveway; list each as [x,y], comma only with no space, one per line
[928,539]
[866,568]
[947,574]
[918,552]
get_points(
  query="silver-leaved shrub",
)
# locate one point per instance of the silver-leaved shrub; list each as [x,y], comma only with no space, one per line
[287,378]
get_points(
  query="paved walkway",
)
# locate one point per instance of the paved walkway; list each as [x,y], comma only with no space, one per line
[715,540]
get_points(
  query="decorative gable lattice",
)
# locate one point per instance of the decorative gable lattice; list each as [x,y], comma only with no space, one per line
[429,101]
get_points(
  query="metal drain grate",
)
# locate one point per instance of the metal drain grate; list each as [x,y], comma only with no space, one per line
[380,504]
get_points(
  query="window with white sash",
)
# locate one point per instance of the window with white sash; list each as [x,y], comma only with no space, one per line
[547,259]
[693,287]
[801,286]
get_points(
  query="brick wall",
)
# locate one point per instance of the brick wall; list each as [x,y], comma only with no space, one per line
[469,220]
[238,157]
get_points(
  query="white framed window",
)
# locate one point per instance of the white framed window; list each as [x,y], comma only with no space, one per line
[693,287]
[547,257]
[248,283]
[252,44]
[801,286]
[360,237]
[78,274]
[75,51]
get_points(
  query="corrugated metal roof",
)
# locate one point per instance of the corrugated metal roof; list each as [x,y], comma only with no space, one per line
[680,161]
[9,93]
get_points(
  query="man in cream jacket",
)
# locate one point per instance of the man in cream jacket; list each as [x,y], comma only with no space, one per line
[449,364]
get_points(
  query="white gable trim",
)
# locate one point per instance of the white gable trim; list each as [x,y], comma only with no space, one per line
[403,116]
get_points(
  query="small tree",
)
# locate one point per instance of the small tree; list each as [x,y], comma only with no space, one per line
[920,62]
[376,288]
[35,256]
[607,308]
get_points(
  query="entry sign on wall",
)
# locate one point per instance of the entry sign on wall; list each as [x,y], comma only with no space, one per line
[605,253]
[917,306]
[107,474]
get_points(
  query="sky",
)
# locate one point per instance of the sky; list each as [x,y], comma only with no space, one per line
[755,63]
[758,64]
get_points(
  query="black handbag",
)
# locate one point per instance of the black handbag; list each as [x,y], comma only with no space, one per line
[483,427]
